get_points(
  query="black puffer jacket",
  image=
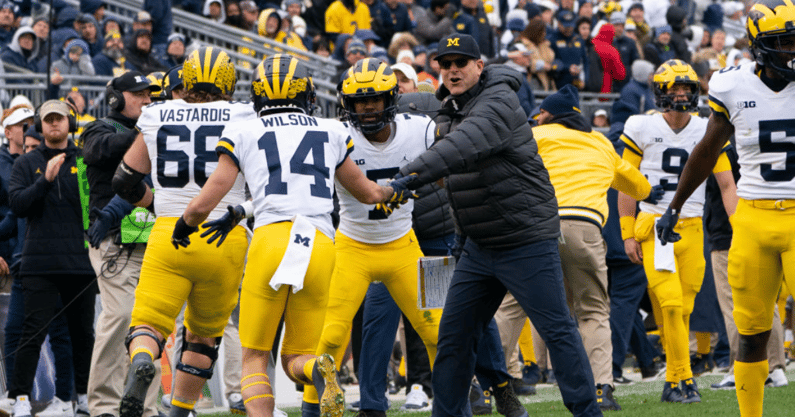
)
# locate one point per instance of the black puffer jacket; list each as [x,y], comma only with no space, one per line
[497,184]
[54,243]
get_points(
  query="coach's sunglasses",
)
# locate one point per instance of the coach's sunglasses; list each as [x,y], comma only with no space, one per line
[460,63]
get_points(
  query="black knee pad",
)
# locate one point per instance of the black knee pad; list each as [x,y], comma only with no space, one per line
[202,349]
[133,333]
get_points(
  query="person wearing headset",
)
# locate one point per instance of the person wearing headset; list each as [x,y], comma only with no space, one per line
[45,189]
[118,240]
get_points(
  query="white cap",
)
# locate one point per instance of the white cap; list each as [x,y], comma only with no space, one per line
[404,53]
[17,116]
[407,70]
[20,99]
[600,112]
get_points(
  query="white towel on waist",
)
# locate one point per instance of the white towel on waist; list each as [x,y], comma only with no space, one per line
[664,256]
[292,269]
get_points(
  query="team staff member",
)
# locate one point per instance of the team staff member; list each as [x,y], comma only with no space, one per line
[753,102]
[504,204]
[581,191]
[182,131]
[658,145]
[44,188]
[116,261]
[292,253]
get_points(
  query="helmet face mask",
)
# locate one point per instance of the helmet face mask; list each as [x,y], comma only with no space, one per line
[369,78]
[771,33]
[282,82]
[673,73]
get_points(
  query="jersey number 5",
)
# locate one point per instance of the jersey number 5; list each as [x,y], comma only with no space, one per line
[313,141]
[766,144]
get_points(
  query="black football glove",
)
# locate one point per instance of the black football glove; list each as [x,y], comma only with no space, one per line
[665,227]
[401,192]
[99,229]
[221,227]
[181,233]
[384,208]
[655,195]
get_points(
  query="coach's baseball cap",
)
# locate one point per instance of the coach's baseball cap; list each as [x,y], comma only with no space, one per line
[54,106]
[458,44]
[133,81]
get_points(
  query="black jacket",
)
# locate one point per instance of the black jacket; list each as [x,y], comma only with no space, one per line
[497,184]
[104,146]
[54,242]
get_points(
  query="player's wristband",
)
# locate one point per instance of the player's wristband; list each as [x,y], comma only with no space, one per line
[248,208]
[627,227]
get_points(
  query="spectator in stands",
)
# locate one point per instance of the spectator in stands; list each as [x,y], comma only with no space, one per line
[138,53]
[368,37]
[8,19]
[111,62]
[715,50]
[79,104]
[644,32]
[569,54]
[713,17]
[482,32]
[214,10]
[513,28]
[380,21]
[346,16]
[402,41]
[626,46]
[88,27]
[162,20]
[23,51]
[75,60]
[41,27]
[586,9]
[659,50]
[534,38]
[45,190]
[519,58]
[612,66]
[353,53]
[175,50]
[433,23]
[67,18]
[142,20]
[583,31]
[95,8]
[637,93]
[110,24]
[600,119]
[249,13]
[399,15]
[190,6]
[270,26]
[677,19]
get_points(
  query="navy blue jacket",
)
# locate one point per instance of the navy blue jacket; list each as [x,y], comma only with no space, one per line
[55,242]
[568,51]
[634,91]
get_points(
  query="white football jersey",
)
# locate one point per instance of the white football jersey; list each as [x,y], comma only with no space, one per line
[764,128]
[665,153]
[413,134]
[289,161]
[181,139]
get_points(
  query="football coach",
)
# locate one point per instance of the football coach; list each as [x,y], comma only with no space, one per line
[504,206]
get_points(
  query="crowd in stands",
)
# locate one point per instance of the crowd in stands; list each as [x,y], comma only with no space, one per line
[598,46]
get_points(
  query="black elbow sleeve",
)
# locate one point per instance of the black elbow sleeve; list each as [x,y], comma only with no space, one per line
[129,183]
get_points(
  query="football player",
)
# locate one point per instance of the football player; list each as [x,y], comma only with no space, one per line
[370,246]
[753,102]
[176,145]
[289,159]
[659,145]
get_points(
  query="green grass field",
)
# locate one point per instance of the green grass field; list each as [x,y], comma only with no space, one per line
[641,399]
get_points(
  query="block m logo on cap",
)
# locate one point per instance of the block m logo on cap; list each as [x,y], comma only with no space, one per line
[453,42]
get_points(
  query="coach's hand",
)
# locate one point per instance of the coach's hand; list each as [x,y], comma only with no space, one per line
[633,250]
[655,195]
[99,229]
[181,233]
[400,190]
[221,227]
[665,227]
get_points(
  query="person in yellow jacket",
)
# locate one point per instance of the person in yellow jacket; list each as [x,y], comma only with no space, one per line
[269,25]
[583,165]
[346,16]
